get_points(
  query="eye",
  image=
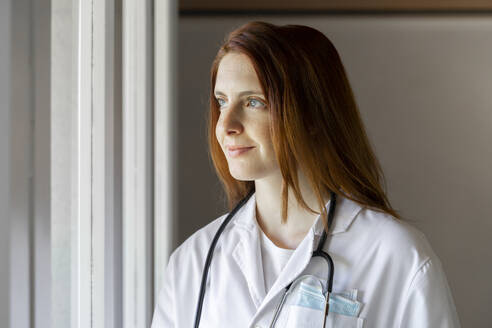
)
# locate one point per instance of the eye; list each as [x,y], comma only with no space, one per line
[220,101]
[255,103]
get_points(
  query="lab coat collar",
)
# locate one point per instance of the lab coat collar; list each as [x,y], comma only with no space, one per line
[247,253]
[345,213]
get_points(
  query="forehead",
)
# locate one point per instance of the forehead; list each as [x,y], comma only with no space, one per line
[236,72]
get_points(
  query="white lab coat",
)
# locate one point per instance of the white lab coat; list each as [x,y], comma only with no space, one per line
[399,278]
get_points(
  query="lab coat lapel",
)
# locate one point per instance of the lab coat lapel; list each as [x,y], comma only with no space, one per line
[247,253]
[294,267]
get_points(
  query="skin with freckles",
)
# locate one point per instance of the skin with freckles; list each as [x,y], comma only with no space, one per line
[244,121]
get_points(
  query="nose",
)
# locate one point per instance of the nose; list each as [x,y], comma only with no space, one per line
[230,121]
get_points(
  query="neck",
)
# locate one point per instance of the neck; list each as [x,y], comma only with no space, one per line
[268,195]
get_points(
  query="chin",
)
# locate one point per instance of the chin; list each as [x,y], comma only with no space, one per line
[244,175]
[251,172]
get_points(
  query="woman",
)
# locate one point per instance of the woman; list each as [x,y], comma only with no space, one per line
[288,143]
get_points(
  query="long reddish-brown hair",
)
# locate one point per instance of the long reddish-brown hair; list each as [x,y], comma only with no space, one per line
[315,123]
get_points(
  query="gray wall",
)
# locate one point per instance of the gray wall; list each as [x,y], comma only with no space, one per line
[24,164]
[15,148]
[424,89]
[4,161]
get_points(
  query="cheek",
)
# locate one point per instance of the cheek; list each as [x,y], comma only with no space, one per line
[263,133]
[218,133]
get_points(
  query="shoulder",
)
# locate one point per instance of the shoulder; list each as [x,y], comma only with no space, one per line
[194,249]
[181,276]
[407,258]
[402,254]
[393,239]
[391,259]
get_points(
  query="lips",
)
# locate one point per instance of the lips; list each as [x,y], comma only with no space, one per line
[235,151]
[237,147]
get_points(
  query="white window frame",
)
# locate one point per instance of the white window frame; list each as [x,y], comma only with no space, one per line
[98,296]
[149,161]
[89,189]
[137,163]
[165,139]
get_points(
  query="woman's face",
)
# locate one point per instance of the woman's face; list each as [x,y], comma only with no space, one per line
[244,120]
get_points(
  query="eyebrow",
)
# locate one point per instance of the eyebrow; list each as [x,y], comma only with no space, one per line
[244,93]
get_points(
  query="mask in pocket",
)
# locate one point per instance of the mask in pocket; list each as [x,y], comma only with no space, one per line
[306,305]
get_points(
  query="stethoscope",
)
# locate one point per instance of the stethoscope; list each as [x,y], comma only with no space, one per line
[318,252]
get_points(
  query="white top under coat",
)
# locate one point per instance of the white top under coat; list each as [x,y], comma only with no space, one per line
[398,276]
[273,258]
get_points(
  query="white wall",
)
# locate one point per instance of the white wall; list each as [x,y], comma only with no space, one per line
[423,85]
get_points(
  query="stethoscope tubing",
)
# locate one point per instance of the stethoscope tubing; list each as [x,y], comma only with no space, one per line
[210,254]
[318,252]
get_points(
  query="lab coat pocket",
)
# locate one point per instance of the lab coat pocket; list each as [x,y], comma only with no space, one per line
[302,317]
[340,320]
